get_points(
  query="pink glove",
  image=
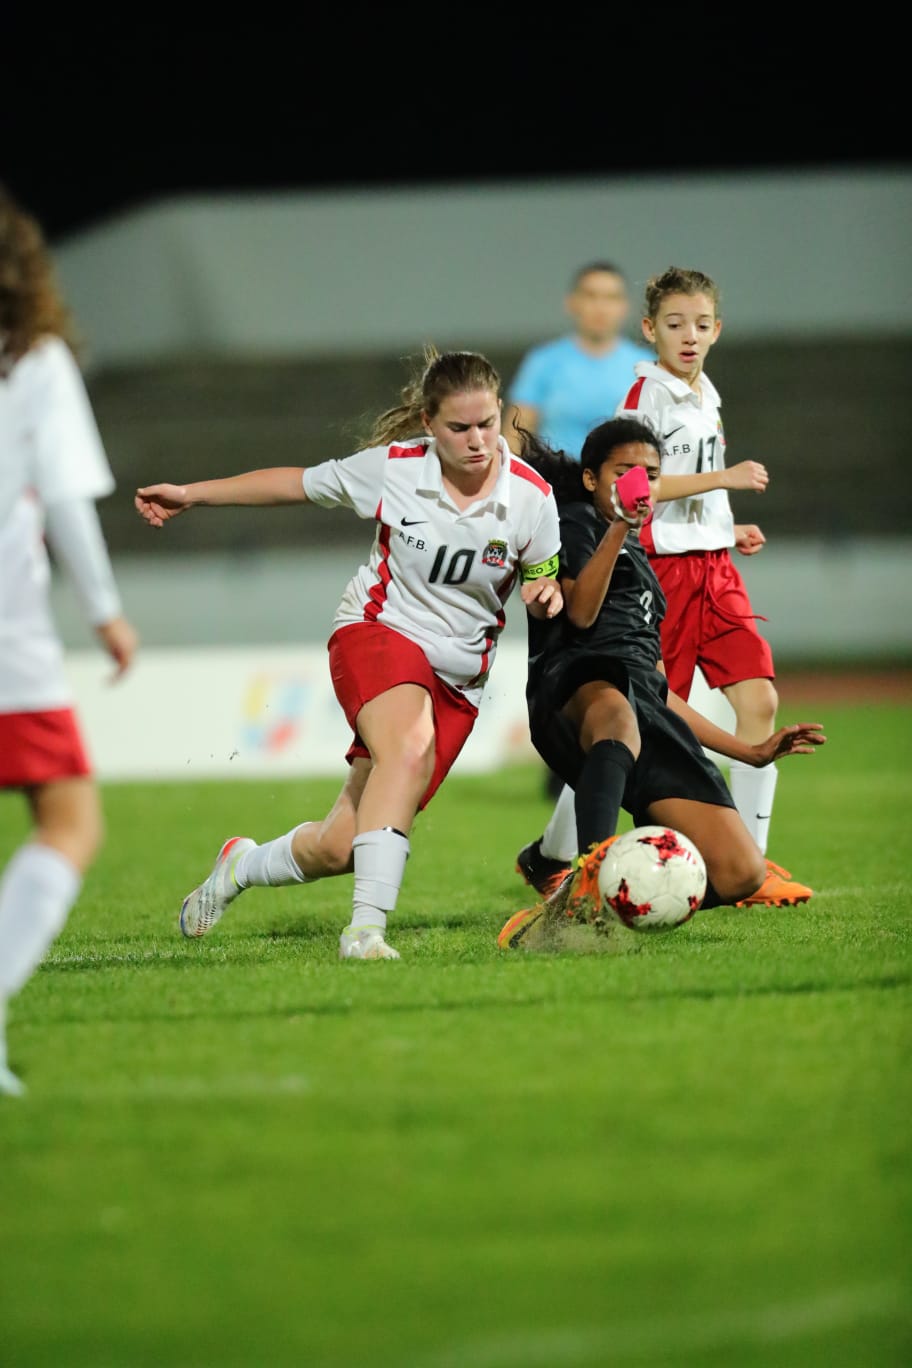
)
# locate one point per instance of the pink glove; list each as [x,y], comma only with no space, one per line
[632,487]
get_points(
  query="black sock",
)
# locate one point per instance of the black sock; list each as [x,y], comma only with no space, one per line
[600,791]
[711,898]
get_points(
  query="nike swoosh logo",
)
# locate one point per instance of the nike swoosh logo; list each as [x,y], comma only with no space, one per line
[673,431]
[411,522]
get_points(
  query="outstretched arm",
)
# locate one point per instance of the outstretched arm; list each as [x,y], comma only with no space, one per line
[801,738]
[256,488]
[745,475]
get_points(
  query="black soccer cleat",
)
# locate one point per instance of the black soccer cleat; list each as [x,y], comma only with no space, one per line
[539,871]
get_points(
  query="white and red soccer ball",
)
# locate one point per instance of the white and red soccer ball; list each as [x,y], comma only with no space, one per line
[652,879]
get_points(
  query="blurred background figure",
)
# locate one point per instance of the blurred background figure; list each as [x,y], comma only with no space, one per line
[564,388]
[53,467]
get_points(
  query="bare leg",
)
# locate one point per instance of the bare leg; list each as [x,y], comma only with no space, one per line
[324,848]
[734,863]
[398,730]
[755,703]
[68,818]
[385,791]
[367,829]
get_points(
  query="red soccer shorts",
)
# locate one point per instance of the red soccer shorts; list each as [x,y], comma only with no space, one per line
[366,659]
[39,747]
[708,622]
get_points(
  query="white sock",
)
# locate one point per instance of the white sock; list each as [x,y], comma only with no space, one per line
[38,888]
[753,790]
[270,865]
[380,858]
[559,839]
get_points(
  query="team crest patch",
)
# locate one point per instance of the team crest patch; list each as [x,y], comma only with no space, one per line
[495,553]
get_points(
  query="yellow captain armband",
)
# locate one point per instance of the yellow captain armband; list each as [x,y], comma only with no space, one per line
[547,570]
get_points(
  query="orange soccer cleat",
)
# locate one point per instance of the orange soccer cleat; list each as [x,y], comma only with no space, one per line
[576,898]
[778,889]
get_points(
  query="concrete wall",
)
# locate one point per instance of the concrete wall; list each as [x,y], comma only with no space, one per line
[796,254]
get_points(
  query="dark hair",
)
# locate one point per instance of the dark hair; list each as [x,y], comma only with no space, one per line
[679,280]
[440,375]
[564,474]
[590,267]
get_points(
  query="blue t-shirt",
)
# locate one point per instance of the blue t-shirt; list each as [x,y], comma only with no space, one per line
[573,391]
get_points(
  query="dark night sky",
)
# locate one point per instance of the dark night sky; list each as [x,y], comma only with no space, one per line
[106,120]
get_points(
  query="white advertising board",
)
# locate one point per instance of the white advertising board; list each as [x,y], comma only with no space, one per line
[268,711]
[221,712]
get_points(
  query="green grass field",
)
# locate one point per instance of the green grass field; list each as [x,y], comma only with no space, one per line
[694,1150]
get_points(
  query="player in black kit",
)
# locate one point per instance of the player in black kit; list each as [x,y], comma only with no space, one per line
[600,711]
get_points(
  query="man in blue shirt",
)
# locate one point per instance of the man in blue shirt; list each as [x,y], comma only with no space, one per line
[566,387]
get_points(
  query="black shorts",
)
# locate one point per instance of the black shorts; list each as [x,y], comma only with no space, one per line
[671,764]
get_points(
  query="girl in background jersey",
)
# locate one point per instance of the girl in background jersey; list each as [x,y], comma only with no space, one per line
[709,620]
[603,714]
[459,520]
[53,467]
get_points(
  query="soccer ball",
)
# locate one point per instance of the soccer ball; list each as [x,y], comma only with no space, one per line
[652,879]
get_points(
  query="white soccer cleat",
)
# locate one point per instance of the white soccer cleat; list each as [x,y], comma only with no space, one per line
[10,1085]
[202,908]
[365,942]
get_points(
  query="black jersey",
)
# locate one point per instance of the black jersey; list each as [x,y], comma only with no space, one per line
[627,627]
[622,647]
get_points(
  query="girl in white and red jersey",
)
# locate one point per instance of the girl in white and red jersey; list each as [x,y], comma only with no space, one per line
[459,520]
[52,469]
[709,621]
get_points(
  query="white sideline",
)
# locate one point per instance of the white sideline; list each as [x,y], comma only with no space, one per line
[644,1339]
[178,1089]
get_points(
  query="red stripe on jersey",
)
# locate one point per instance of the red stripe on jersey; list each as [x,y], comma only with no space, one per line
[399,453]
[633,394]
[404,453]
[486,653]
[377,596]
[526,472]
[505,588]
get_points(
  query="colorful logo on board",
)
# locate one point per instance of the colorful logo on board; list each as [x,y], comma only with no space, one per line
[274,712]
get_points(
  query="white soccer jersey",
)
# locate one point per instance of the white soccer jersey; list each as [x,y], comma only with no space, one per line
[438,575]
[50,450]
[692,441]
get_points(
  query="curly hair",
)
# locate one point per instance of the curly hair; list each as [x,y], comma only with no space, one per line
[32,306]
